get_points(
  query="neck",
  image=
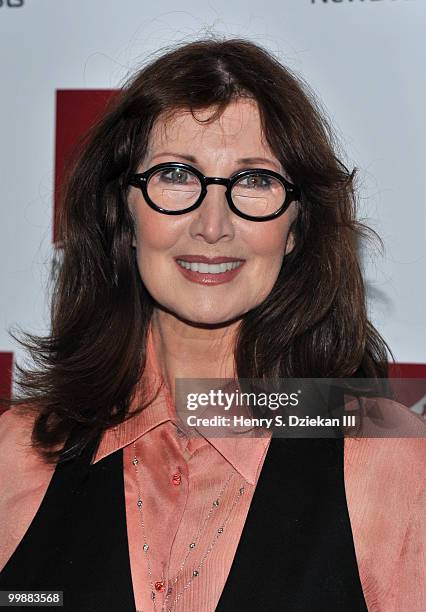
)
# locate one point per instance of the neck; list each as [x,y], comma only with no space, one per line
[191,351]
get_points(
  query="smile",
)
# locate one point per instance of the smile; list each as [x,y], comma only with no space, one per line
[209,274]
[209,268]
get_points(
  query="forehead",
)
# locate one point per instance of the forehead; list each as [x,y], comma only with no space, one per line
[238,128]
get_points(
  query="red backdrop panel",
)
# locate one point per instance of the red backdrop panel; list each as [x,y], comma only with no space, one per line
[76,111]
[414,392]
[6,364]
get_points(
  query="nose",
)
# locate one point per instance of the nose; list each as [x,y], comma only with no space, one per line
[213,220]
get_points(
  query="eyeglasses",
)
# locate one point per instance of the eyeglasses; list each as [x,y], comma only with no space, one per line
[174,188]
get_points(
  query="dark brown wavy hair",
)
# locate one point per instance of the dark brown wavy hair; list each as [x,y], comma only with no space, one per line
[313,323]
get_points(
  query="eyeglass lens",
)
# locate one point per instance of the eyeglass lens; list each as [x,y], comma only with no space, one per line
[255,194]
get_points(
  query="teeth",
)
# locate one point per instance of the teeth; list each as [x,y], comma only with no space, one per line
[209,268]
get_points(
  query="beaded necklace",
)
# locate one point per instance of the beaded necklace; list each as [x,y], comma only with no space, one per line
[159,585]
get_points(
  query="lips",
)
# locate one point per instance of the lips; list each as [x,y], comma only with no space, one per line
[206,276]
[207,260]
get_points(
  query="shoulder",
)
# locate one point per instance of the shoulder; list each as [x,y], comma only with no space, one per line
[386,472]
[393,449]
[24,477]
[385,489]
[16,449]
[16,426]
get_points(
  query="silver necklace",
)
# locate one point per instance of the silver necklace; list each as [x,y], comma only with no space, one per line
[159,585]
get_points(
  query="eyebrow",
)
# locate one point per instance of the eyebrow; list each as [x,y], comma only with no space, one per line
[242,160]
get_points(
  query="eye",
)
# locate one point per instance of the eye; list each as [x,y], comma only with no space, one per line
[256,181]
[175,176]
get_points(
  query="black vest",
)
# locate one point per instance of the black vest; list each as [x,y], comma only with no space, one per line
[296,552]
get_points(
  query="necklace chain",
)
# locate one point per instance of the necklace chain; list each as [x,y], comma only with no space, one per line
[193,544]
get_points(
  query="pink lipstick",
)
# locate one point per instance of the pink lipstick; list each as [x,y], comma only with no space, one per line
[209,270]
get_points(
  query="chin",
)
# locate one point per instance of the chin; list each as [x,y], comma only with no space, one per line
[209,318]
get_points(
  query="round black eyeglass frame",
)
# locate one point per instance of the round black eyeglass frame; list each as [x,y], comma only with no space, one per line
[141,180]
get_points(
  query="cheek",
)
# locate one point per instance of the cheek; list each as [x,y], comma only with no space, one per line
[155,233]
[268,242]
[155,236]
[267,247]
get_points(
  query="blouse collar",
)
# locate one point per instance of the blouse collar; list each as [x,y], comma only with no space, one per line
[244,454]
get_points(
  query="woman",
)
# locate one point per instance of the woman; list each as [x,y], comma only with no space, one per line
[169,274]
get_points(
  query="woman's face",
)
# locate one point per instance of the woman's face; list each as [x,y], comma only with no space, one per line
[212,230]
